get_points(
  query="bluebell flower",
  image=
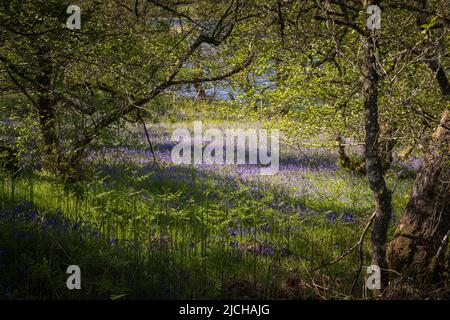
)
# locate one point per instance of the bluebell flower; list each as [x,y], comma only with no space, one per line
[95,234]
[32,215]
[331,216]
[64,228]
[18,209]
[113,240]
[76,225]
[52,222]
[347,217]
[233,232]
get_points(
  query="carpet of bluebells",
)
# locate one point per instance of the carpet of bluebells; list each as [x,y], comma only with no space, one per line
[145,230]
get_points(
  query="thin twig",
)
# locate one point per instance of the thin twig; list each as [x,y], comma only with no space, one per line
[147,136]
[441,247]
[346,253]
[361,240]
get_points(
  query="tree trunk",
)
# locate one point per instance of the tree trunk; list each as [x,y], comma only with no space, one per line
[374,166]
[48,132]
[413,251]
[46,111]
[75,165]
[421,231]
[344,160]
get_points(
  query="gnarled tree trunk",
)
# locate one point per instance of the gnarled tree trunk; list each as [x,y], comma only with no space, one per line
[413,251]
[419,236]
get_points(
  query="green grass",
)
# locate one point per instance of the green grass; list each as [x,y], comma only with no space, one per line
[175,232]
[184,240]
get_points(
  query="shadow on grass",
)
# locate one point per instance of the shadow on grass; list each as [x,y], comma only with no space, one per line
[37,246]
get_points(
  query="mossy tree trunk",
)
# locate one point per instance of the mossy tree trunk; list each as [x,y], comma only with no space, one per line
[413,251]
[374,166]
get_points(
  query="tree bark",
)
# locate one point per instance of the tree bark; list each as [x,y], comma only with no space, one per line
[419,235]
[344,160]
[46,112]
[413,251]
[48,132]
[374,168]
